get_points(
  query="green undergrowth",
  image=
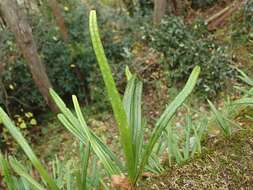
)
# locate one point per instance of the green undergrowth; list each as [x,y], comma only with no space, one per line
[224,164]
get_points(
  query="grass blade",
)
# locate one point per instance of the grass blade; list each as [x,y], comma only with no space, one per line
[246,101]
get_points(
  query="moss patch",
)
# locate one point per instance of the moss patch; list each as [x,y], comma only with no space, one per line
[225,164]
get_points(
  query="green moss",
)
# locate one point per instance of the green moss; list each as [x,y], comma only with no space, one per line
[224,164]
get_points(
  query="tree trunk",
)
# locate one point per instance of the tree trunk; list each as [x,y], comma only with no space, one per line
[2,21]
[177,7]
[129,6]
[160,8]
[3,91]
[15,19]
[55,7]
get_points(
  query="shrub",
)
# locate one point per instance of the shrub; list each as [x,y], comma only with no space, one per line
[183,48]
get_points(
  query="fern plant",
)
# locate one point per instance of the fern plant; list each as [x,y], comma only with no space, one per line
[127,113]
[129,119]
[140,155]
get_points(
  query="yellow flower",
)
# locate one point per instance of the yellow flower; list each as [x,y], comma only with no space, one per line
[29,114]
[11,87]
[33,122]
[22,125]
[66,8]
[20,120]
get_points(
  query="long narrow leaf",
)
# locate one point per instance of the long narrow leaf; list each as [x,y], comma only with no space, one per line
[246,101]
[245,78]
[220,120]
[132,105]
[85,154]
[79,128]
[98,149]
[187,131]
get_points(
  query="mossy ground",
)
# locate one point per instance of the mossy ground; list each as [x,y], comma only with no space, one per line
[224,164]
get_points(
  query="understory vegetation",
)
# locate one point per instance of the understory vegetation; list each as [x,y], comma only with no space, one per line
[62,58]
[136,104]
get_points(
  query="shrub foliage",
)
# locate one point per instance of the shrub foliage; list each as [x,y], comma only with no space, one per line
[183,48]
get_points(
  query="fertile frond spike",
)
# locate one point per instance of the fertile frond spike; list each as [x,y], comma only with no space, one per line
[113,95]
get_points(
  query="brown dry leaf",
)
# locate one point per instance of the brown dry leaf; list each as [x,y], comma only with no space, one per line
[147,175]
[121,182]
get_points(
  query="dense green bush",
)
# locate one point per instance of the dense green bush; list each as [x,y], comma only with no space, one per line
[69,64]
[184,47]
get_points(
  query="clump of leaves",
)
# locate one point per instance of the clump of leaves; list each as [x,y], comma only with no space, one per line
[183,48]
[225,117]
[182,147]
[127,114]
